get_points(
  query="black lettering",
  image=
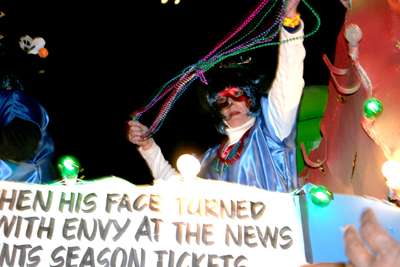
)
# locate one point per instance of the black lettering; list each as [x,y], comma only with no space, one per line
[48,229]
[7,227]
[67,227]
[120,230]
[155,203]
[88,258]
[181,207]
[238,260]
[104,231]
[31,222]
[248,236]
[110,201]
[156,228]
[264,238]
[171,260]
[83,228]
[196,261]
[206,233]
[64,202]
[78,203]
[181,259]
[6,256]
[60,259]
[211,206]
[224,210]
[160,258]
[254,214]
[125,203]
[144,229]
[88,203]
[286,237]
[100,256]
[115,255]
[191,234]
[21,199]
[18,229]
[199,207]
[241,209]
[39,198]
[4,199]
[179,233]
[71,256]
[35,260]
[210,263]
[22,254]
[134,258]
[238,241]
[137,202]
[226,259]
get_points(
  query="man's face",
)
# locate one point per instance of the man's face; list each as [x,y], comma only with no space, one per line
[234,106]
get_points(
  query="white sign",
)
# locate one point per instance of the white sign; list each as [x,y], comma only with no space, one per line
[111,222]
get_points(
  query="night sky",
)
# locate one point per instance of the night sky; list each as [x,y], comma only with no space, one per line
[106,60]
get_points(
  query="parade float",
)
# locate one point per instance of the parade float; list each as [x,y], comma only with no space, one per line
[185,222]
[342,154]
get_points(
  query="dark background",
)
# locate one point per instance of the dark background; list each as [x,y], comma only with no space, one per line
[107,59]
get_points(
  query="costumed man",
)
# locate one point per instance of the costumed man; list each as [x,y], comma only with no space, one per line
[260,148]
[26,149]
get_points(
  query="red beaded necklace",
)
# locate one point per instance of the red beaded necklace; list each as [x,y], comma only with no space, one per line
[229,160]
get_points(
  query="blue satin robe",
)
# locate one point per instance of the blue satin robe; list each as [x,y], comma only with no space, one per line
[265,161]
[14,103]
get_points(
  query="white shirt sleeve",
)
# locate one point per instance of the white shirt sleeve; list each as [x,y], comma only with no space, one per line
[287,87]
[158,165]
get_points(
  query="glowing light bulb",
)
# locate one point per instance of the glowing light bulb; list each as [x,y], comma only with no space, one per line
[188,166]
[353,35]
[164,1]
[69,167]
[321,196]
[177,2]
[373,108]
[391,170]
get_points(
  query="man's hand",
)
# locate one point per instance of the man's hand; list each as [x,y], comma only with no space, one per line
[385,248]
[134,132]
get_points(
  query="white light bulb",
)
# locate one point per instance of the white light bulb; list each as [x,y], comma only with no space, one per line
[188,166]
[164,1]
[353,35]
[391,170]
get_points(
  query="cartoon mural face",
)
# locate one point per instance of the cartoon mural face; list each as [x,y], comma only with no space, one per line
[357,148]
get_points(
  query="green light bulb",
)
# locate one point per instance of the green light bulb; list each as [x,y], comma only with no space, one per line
[373,109]
[321,196]
[69,167]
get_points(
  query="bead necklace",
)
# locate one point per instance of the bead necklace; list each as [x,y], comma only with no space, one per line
[248,35]
[233,155]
